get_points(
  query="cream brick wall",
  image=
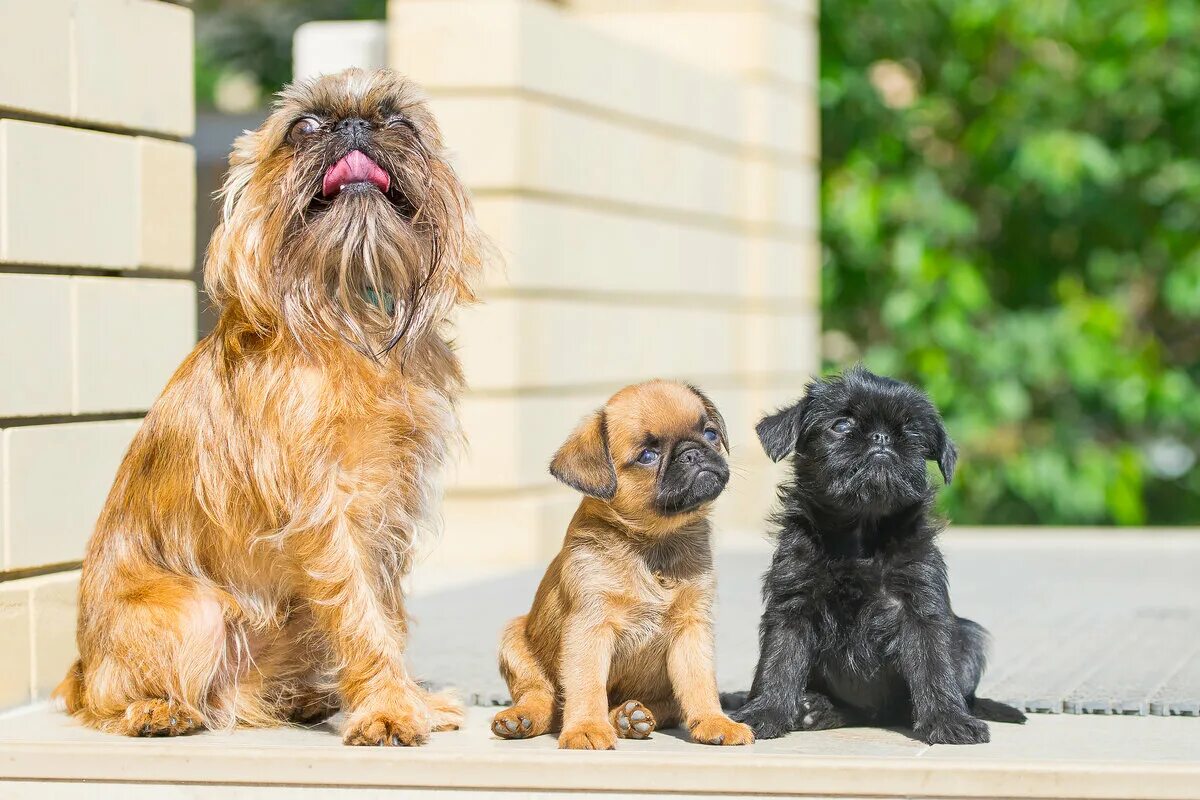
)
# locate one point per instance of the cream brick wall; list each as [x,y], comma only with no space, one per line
[648,170]
[97,308]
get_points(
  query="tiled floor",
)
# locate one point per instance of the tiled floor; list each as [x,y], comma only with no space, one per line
[1081,621]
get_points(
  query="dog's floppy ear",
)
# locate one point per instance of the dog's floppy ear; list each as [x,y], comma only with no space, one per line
[779,433]
[943,451]
[584,463]
[714,416]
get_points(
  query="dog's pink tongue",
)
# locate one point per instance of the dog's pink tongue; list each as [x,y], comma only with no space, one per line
[355,167]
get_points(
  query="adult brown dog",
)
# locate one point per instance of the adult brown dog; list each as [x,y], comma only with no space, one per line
[623,617]
[246,567]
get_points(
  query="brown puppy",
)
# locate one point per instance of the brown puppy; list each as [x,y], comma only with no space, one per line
[623,617]
[246,567]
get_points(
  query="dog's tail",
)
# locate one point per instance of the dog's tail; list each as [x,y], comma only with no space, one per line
[68,695]
[995,711]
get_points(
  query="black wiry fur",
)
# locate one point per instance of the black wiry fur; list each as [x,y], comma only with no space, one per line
[857,627]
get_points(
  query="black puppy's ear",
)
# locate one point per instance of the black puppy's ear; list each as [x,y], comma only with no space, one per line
[714,416]
[780,432]
[943,451]
[584,463]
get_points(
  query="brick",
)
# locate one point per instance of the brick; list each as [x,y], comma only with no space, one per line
[35,345]
[782,271]
[133,65]
[15,657]
[536,48]
[35,56]
[781,195]
[54,600]
[785,121]
[502,530]
[780,344]
[131,335]
[57,479]
[167,223]
[511,438]
[540,343]
[736,41]
[531,145]
[69,196]
[547,245]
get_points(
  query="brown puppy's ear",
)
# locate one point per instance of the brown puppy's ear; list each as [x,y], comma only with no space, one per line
[714,416]
[779,433]
[584,463]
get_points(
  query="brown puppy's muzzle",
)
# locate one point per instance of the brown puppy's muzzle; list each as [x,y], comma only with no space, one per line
[696,474]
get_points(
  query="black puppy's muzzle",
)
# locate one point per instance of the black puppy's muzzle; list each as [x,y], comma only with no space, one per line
[695,475]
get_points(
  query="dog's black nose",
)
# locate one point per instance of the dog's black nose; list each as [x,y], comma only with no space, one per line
[689,456]
[352,125]
[880,438]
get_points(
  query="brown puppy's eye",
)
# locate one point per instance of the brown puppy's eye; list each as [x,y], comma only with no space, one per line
[301,129]
[647,456]
[712,436]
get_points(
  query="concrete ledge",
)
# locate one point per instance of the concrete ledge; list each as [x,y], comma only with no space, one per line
[1055,757]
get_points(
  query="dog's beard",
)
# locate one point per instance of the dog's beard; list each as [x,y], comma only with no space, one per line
[869,484]
[360,268]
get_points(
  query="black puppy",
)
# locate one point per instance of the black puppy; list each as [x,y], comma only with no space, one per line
[858,627]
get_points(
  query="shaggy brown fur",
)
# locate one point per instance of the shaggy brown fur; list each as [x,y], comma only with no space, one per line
[246,568]
[619,639]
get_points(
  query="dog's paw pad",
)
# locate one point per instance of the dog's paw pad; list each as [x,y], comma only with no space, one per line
[721,730]
[633,720]
[513,723]
[382,729]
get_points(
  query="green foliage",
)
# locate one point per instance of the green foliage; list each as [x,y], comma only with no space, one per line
[1010,195]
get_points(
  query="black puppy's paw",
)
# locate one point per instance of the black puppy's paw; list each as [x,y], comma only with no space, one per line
[767,723]
[953,729]
[818,713]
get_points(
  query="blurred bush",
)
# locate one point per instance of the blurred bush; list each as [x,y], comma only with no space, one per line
[1010,195]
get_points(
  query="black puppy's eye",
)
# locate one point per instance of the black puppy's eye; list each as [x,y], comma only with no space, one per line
[842,425]
[647,456]
[301,129]
[712,436]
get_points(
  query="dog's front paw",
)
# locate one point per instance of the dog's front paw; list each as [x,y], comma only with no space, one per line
[589,736]
[720,730]
[953,729]
[767,723]
[387,729]
[159,718]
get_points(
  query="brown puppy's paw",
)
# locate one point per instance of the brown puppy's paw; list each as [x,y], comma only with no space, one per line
[159,718]
[632,720]
[589,736]
[386,729]
[518,722]
[720,730]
